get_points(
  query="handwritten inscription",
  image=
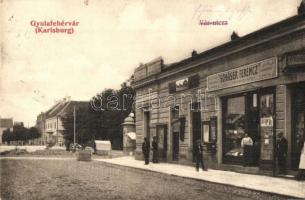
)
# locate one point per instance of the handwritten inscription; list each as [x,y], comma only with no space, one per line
[228,12]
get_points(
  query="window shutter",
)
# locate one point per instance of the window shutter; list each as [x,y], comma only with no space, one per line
[182,128]
[172,87]
[194,81]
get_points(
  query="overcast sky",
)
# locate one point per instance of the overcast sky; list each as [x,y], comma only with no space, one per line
[112,38]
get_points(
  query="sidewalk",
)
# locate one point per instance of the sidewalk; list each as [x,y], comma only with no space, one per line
[253,182]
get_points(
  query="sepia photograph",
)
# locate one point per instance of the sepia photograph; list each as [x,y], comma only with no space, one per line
[147,100]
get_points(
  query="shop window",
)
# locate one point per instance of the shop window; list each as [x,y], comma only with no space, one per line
[267,105]
[175,113]
[162,139]
[234,126]
[206,131]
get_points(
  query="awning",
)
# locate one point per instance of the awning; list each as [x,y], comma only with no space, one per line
[132,135]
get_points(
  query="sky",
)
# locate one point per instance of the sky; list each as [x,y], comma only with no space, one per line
[111,40]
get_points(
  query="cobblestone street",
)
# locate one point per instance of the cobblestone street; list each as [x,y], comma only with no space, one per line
[69,179]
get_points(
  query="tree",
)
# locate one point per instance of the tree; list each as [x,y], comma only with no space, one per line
[103,119]
[114,106]
[19,133]
[33,133]
[86,125]
[6,136]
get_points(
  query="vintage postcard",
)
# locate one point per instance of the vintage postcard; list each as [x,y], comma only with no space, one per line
[139,99]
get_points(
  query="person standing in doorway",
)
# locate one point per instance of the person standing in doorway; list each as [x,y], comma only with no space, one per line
[199,155]
[155,150]
[146,149]
[247,144]
[282,147]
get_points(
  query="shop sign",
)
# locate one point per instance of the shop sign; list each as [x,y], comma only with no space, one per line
[296,59]
[182,84]
[266,122]
[266,69]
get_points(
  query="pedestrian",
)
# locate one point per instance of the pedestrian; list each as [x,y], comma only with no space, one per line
[301,172]
[282,147]
[247,144]
[199,155]
[155,150]
[146,149]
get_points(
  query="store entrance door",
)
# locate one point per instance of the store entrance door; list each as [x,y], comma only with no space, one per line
[196,129]
[175,146]
[298,124]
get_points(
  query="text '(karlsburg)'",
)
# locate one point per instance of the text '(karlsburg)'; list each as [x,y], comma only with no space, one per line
[57,26]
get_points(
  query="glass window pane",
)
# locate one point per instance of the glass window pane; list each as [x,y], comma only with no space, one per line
[234,127]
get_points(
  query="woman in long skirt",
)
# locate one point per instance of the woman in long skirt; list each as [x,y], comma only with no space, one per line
[301,173]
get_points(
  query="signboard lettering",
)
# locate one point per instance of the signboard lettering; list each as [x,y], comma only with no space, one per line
[262,70]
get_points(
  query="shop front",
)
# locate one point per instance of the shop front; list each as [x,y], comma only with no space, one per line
[248,113]
[236,98]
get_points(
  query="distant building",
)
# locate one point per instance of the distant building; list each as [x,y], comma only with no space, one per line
[5,123]
[18,123]
[40,125]
[50,123]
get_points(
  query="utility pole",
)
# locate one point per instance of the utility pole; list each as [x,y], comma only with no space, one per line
[31,136]
[74,116]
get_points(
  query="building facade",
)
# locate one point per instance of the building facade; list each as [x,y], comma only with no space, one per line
[253,84]
[50,122]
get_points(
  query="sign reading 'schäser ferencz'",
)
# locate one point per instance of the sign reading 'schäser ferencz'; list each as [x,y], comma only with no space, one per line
[258,71]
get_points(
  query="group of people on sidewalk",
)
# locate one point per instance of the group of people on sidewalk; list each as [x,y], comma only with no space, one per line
[281,154]
[198,151]
[246,144]
[146,150]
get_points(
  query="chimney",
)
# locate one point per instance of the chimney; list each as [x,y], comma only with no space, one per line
[194,53]
[301,8]
[234,36]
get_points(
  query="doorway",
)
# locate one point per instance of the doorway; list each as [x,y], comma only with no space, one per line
[175,124]
[175,146]
[196,124]
[298,124]
[147,125]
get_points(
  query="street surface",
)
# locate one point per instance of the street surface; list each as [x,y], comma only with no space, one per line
[69,179]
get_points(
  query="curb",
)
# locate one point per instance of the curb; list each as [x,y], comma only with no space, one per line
[161,174]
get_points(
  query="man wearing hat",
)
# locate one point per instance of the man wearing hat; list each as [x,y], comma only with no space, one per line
[282,147]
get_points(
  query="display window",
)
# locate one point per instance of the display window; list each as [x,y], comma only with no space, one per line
[246,116]
[234,126]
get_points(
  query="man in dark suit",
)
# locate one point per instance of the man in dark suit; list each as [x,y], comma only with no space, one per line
[282,147]
[146,149]
[199,155]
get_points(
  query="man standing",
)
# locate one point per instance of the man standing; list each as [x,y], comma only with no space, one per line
[155,149]
[247,144]
[199,155]
[282,147]
[146,149]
